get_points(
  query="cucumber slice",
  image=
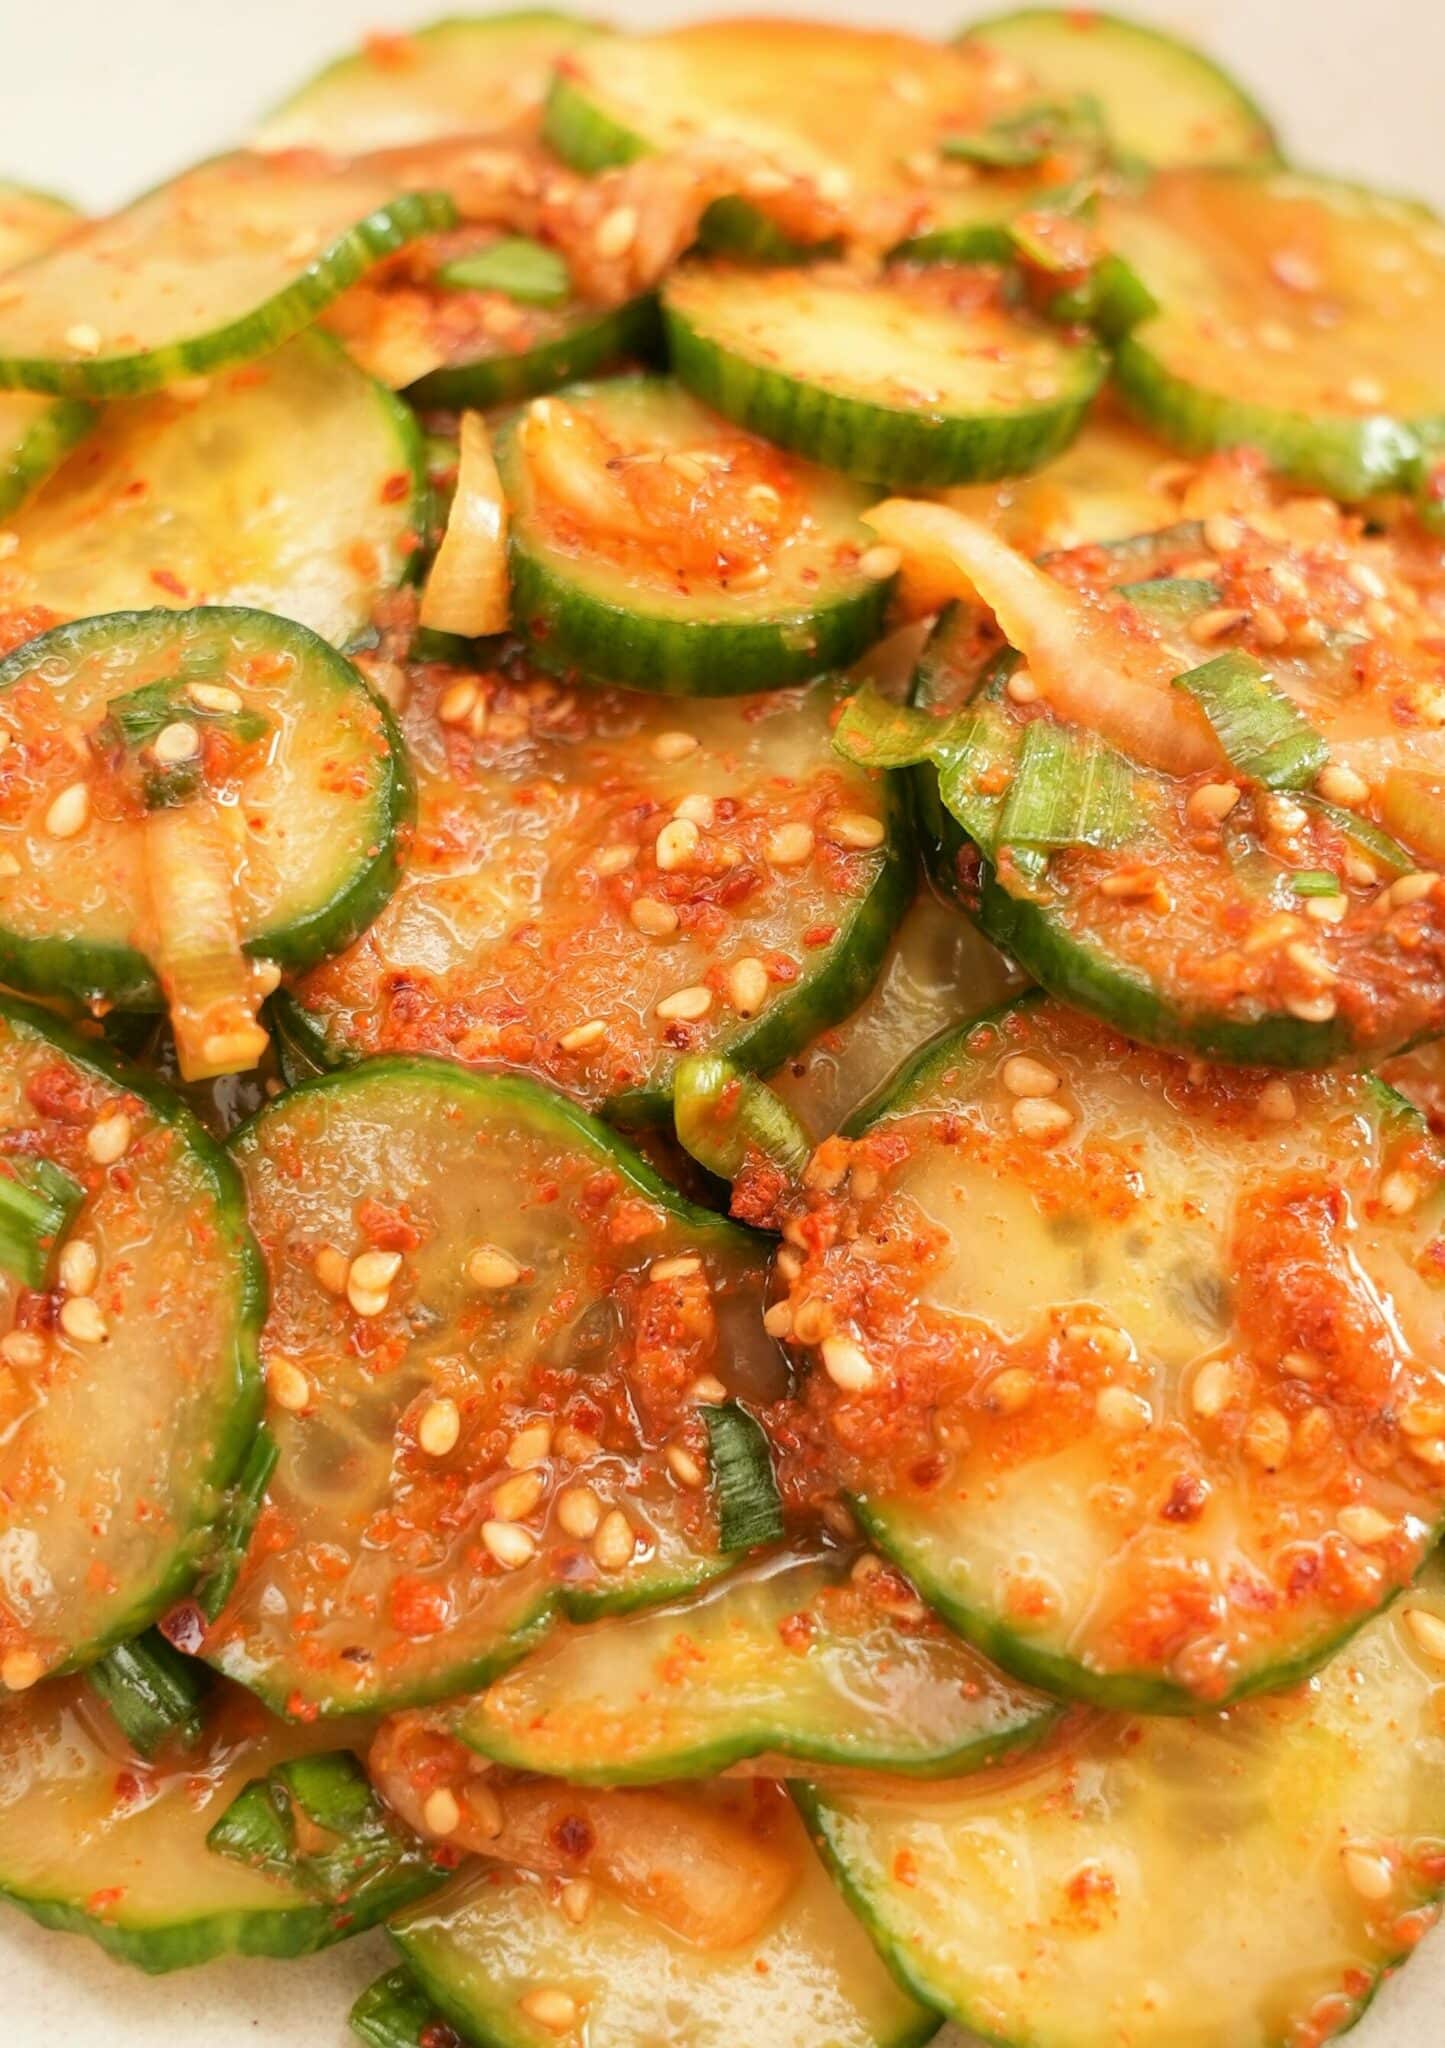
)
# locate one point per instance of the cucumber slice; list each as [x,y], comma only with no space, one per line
[315,827]
[1162,101]
[1298,1836]
[1298,315]
[922,377]
[297,486]
[36,435]
[96,1841]
[468,74]
[848,110]
[484,1949]
[220,265]
[654,546]
[1180,1327]
[1108,485]
[797,1657]
[1191,933]
[31,221]
[121,1427]
[400,1556]
[534,926]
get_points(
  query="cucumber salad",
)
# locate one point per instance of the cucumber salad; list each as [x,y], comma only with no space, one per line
[722,931]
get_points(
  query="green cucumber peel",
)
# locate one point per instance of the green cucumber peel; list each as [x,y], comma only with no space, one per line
[38,1203]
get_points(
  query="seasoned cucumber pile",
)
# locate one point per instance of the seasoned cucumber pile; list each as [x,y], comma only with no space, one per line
[722,959]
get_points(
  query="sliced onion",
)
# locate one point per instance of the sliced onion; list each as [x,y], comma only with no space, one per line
[1092,673]
[467,591]
[213,992]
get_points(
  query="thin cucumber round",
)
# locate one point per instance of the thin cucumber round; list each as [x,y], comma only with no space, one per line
[455,1260]
[922,377]
[95,1840]
[1104,487]
[495,1936]
[467,74]
[316,806]
[250,249]
[1163,102]
[686,558]
[793,1658]
[31,221]
[710,878]
[1237,1881]
[297,485]
[125,1421]
[36,435]
[1297,315]
[1131,1420]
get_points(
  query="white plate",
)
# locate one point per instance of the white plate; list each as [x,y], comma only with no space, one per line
[102,97]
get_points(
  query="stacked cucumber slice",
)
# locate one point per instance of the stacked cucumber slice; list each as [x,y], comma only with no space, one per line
[587,1372]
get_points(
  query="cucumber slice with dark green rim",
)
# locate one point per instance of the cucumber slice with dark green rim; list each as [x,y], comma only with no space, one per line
[544,1280]
[122,1426]
[264,244]
[468,74]
[1300,1836]
[316,827]
[922,377]
[36,435]
[296,485]
[1298,315]
[31,221]
[1179,1324]
[550,346]
[686,557]
[794,1658]
[871,104]
[1106,486]
[1162,102]
[95,1841]
[589,954]
[483,1949]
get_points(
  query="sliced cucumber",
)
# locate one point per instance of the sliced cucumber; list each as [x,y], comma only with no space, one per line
[1106,486]
[297,485]
[31,221]
[794,1658]
[922,377]
[847,110]
[121,1426]
[220,265]
[1178,1325]
[400,1556]
[1291,1845]
[36,434]
[656,547]
[1161,101]
[468,74]
[314,812]
[96,1841]
[1297,315]
[538,926]
[485,1948]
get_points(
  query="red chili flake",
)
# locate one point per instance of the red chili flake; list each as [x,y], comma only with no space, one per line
[395,487]
[796,1631]
[390,1230]
[417,1608]
[820,935]
[905,1868]
[167,580]
[573,1836]
[102,1901]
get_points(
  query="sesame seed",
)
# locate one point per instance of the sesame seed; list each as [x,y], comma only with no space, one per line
[616,233]
[1428,1632]
[1366,579]
[510,1546]
[582,1035]
[9,866]
[69,812]
[456,701]
[1276,1102]
[1211,802]
[1026,1077]
[677,843]
[747,986]
[575,1899]
[1269,628]
[698,809]
[175,743]
[1009,1392]
[484,1808]
[686,1267]
[1327,909]
[1311,1009]
[20,1669]
[1214,1389]
[1295,271]
[331,1268]
[812,1320]
[684,1466]
[1313,1432]
[790,845]
[530,1446]
[516,1497]
[846,1364]
[547,2007]
[82,1321]
[653,918]
[108,1139]
[1298,1365]
[778,1320]
[1210,626]
[215,697]
[856,831]
[1365,1525]
[573,1446]
[708,1389]
[1309,962]
[441,1813]
[1021,687]
[490,1267]
[22,1348]
[614,1543]
[1120,1409]
[578,1512]
[1368,1874]
[83,338]
[78,1266]
[611,860]
[439,1428]
[1409,889]
[879,563]
[1399,1192]
[288,1386]
[686,1005]
[1033,1118]
[1267,1438]
[674,746]
[1222,535]
[373,1272]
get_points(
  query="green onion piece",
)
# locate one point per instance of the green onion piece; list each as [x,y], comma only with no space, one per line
[233,1528]
[722,1114]
[253,1831]
[745,1493]
[874,732]
[1070,788]
[154,1693]
[1263,733]
[1172,600]
[522,269]
[395,2012]
[38,1204]
[1384,854]
[1315,882]
[1016,142]
[1111,299]
[135,720]
[975,770]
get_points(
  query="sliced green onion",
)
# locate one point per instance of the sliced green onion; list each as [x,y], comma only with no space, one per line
[973,749]
[1383,853]
[1264,734]
[1315,882]
[722,1114]
[395,2012]
[520,268]
[745,1492]
[38,1204]
[134,722]
[154,1693]
[1069,788]
[232,1533]
[1112,299]
[1172,600]
[874,732]
[1018,141]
